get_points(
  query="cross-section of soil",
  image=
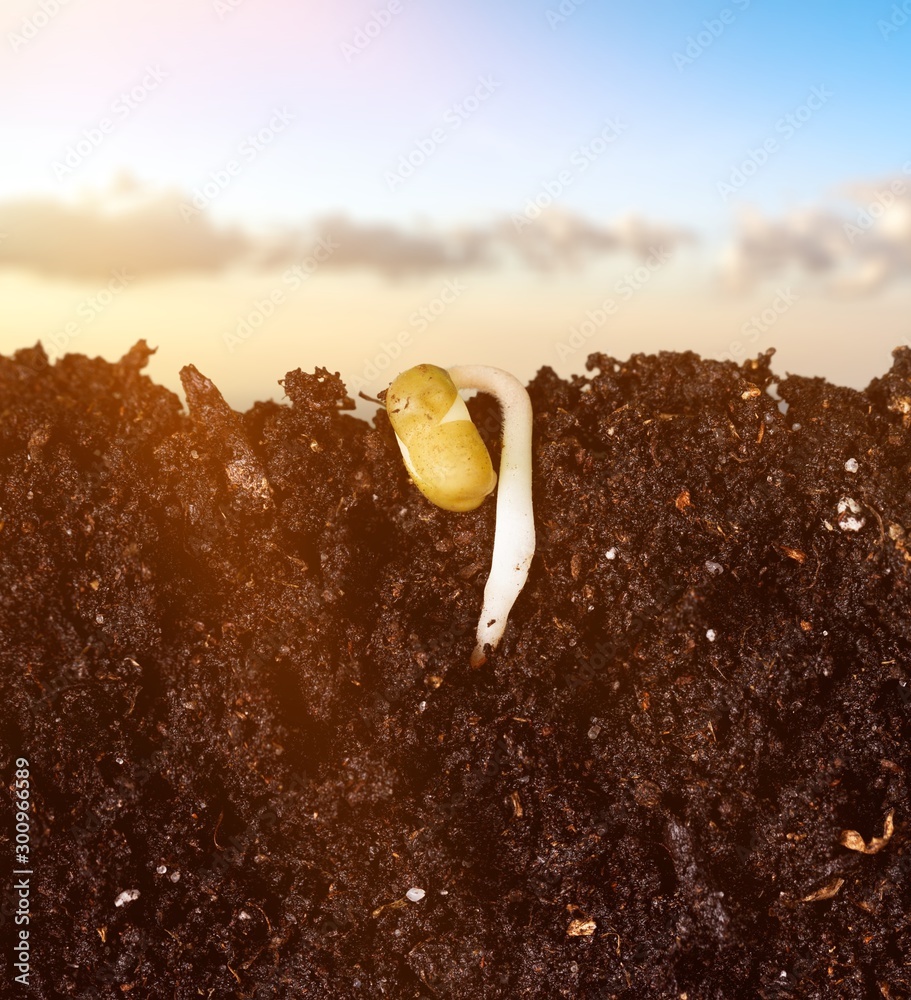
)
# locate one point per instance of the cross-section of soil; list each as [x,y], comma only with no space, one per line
[234,653]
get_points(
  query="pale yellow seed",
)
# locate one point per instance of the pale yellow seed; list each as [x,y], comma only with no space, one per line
[442,449]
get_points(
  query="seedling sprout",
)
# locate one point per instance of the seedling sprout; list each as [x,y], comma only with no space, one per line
[450,465]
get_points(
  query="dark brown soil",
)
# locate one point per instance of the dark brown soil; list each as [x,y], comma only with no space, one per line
[235,652]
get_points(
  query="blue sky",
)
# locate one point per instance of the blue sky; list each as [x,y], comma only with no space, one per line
[234,68]
[354,117]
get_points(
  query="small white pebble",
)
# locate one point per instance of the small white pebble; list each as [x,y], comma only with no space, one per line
[594,732]
[99,619]
[415,895]
[796,426]
[422,706]
[119,760]
[161,869]
[127,896]
[243,915]
[713,567]
[611,554]
[444,892]
[711,635]
[851,465]
[174,876]
[849,515]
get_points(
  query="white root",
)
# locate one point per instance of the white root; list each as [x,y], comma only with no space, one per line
[514,538]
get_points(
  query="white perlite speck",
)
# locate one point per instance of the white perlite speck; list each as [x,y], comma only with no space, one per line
[161,869]
[611,554]
[127,896]
[711,635]
[713,567]
[851,465]
[415,895]
[849,518]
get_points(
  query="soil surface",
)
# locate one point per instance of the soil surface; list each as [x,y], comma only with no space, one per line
[235,648]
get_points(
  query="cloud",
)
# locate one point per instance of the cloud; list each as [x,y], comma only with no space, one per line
[154,235]
[90,241]
[558,238]
[384,248]
[860,250]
